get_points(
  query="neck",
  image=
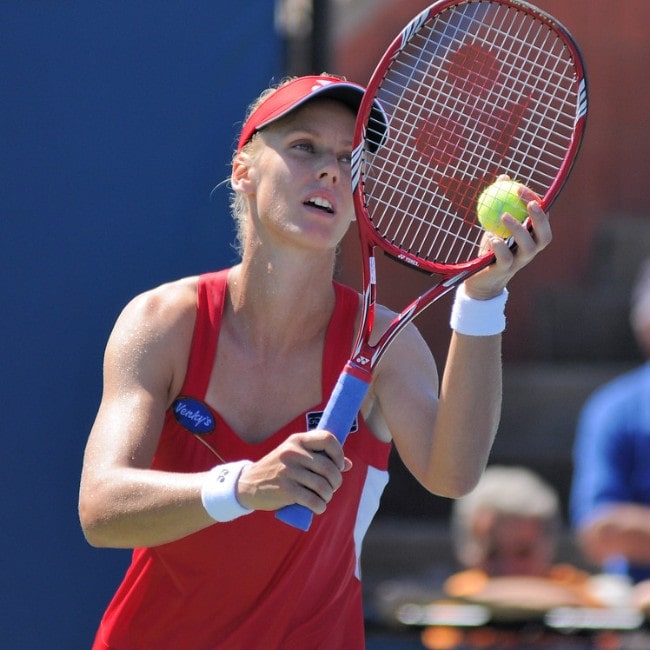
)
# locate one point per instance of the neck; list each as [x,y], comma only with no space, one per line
[281,302]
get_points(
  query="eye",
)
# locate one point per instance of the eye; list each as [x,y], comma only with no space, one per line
[304,145]
[346,158]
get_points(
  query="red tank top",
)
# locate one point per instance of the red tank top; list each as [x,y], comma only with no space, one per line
[254,582]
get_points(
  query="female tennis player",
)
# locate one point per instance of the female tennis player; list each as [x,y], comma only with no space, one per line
[214,385]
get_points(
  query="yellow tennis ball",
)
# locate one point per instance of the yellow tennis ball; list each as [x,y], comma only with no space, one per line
[500,197]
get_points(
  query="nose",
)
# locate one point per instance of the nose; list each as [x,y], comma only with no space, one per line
[328,168]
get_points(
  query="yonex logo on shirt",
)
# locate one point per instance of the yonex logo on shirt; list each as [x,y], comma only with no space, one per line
[313,418]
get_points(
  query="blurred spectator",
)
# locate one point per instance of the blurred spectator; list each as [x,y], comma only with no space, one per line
[508,525]
[610,497]
[505,535]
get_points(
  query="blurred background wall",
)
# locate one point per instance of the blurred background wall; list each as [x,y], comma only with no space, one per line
[118,119]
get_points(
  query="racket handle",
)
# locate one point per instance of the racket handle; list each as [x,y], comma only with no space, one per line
[338,418]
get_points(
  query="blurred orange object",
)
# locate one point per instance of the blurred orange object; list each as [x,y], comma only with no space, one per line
[441,638]
[517,597]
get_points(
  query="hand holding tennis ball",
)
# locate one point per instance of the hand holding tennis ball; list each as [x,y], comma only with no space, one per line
[502,196]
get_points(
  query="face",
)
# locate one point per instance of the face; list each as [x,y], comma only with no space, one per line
[300,187]
[509,545]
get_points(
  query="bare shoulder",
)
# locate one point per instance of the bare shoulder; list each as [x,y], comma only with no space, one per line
[152,336]
[162,308]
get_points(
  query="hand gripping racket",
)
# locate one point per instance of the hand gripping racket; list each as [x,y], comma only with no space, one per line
[471,89]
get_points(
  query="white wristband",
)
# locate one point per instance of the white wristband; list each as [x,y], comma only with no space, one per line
[219,492]
[478,317]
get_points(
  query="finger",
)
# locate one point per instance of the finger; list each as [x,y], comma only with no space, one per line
[312,489]
[527,195]
[322,467]
[540,223]
[327,443]
[530,238]
[503,254]
[517,228]
[320,456]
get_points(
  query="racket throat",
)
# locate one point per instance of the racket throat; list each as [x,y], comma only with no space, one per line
[362,365]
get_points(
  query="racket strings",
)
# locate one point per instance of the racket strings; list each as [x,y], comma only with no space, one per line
[480,90]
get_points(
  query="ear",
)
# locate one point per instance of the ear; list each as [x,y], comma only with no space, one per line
[243,175]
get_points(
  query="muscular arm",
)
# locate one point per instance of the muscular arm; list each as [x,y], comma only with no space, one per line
[123,502]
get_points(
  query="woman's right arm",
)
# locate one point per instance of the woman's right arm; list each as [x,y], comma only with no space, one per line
[122,502]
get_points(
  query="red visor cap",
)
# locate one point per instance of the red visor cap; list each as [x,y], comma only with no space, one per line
[303,89]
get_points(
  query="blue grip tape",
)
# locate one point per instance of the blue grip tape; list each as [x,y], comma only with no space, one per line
[338,417]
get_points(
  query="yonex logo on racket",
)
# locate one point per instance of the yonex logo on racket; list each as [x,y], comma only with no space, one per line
[409,260]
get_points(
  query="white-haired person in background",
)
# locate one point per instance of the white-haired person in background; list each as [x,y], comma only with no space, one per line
[506,535]
[508,525]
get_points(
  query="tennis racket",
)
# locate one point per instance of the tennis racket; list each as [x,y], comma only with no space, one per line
[471,89]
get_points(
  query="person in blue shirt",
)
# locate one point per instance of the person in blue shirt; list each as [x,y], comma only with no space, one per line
[610,494]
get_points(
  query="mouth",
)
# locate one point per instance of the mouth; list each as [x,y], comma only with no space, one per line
[321,204]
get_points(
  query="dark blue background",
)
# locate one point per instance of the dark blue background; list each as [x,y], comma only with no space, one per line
[116,121]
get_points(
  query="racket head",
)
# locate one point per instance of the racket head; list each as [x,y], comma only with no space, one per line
[471,89]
